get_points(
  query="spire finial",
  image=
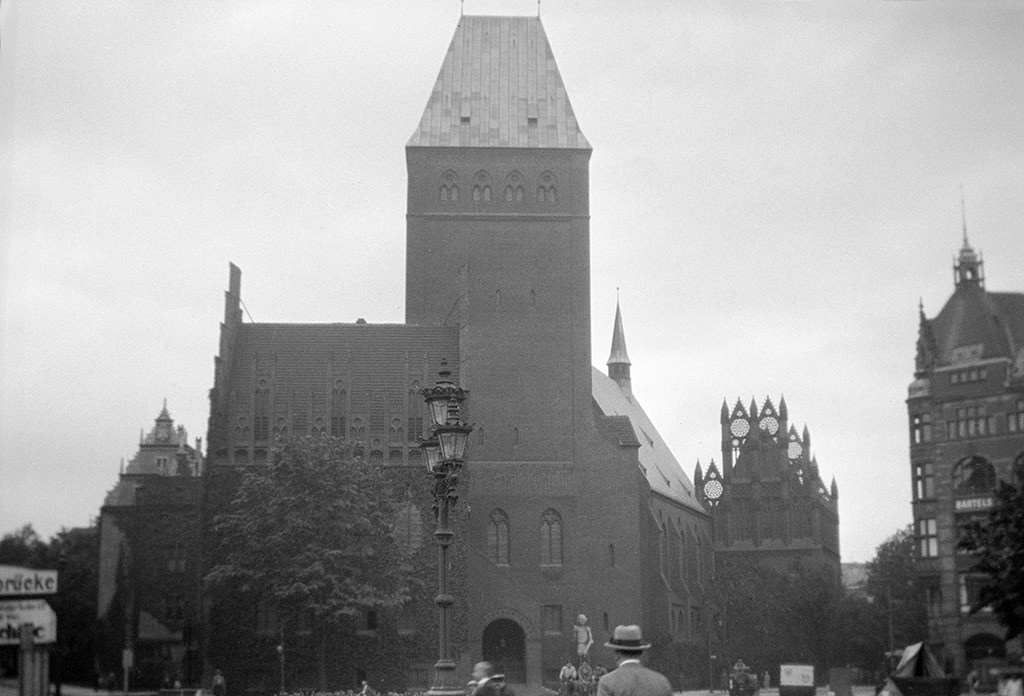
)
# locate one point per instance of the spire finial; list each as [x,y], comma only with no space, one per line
[538,9]
[963,215]
[462,8]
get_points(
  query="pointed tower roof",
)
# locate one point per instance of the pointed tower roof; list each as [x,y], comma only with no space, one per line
[618,354]
[499,87]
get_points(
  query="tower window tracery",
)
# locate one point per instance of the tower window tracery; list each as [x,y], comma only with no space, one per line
[449,189]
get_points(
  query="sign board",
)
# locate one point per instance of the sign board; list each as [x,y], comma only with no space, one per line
[796,680]
[971,504]
[15,612]
[26,582]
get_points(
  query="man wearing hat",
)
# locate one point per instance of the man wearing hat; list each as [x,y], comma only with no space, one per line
[631,678]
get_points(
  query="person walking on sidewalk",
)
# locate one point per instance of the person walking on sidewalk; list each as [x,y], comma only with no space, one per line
[631,678]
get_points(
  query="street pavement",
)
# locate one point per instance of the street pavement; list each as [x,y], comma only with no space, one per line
[9,687]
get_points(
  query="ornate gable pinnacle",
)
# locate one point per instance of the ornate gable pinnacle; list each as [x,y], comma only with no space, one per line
[927,347]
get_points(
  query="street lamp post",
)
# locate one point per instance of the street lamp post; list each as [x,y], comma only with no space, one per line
[280,655]
[444,453]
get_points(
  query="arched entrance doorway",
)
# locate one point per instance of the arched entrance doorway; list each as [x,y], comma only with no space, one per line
[504,646]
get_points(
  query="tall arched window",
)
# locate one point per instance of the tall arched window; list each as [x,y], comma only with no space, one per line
[497,538]
[550,538]
[975,474]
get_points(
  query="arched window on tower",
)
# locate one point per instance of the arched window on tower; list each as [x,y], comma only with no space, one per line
[974,474]
[546,189]
[514,188]
[481,187]
[449,189]
[497,538]
[550,538]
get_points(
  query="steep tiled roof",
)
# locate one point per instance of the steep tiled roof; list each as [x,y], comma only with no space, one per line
[499,87]
[663,471]
[973,316]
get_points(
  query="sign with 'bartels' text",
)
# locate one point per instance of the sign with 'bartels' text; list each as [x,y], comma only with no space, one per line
[26,582]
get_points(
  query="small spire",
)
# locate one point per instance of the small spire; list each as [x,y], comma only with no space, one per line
[618,352]
[807,438]
[753,408]
[834,489]
[724,417]
[698,475]
[618,360]
[783,410]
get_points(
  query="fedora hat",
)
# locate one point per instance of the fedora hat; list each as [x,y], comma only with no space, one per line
[628,638]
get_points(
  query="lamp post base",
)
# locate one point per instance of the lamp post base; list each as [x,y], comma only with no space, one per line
[444,680]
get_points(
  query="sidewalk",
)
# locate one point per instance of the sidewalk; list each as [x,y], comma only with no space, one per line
[9,687]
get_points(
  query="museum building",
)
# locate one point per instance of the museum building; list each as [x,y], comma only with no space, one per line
[568,484]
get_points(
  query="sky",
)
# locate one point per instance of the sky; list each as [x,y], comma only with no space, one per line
[774,187]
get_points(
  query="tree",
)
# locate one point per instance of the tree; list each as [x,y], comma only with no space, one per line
[997,545]
[894,590]
[310,536]
[24,548]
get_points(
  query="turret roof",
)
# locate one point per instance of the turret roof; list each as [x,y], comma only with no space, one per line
[980,324]
[618,353]
[499,87]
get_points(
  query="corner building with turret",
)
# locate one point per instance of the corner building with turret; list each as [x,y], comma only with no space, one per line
[966,431]
[572,502]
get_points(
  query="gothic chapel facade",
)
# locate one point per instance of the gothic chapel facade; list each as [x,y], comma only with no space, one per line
[573,503]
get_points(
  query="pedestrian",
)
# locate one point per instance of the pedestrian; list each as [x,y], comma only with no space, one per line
[488,683]
[220,684]
[566,677]
[767,680]
[631,678]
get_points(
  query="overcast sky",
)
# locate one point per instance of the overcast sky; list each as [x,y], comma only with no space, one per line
[773,188]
